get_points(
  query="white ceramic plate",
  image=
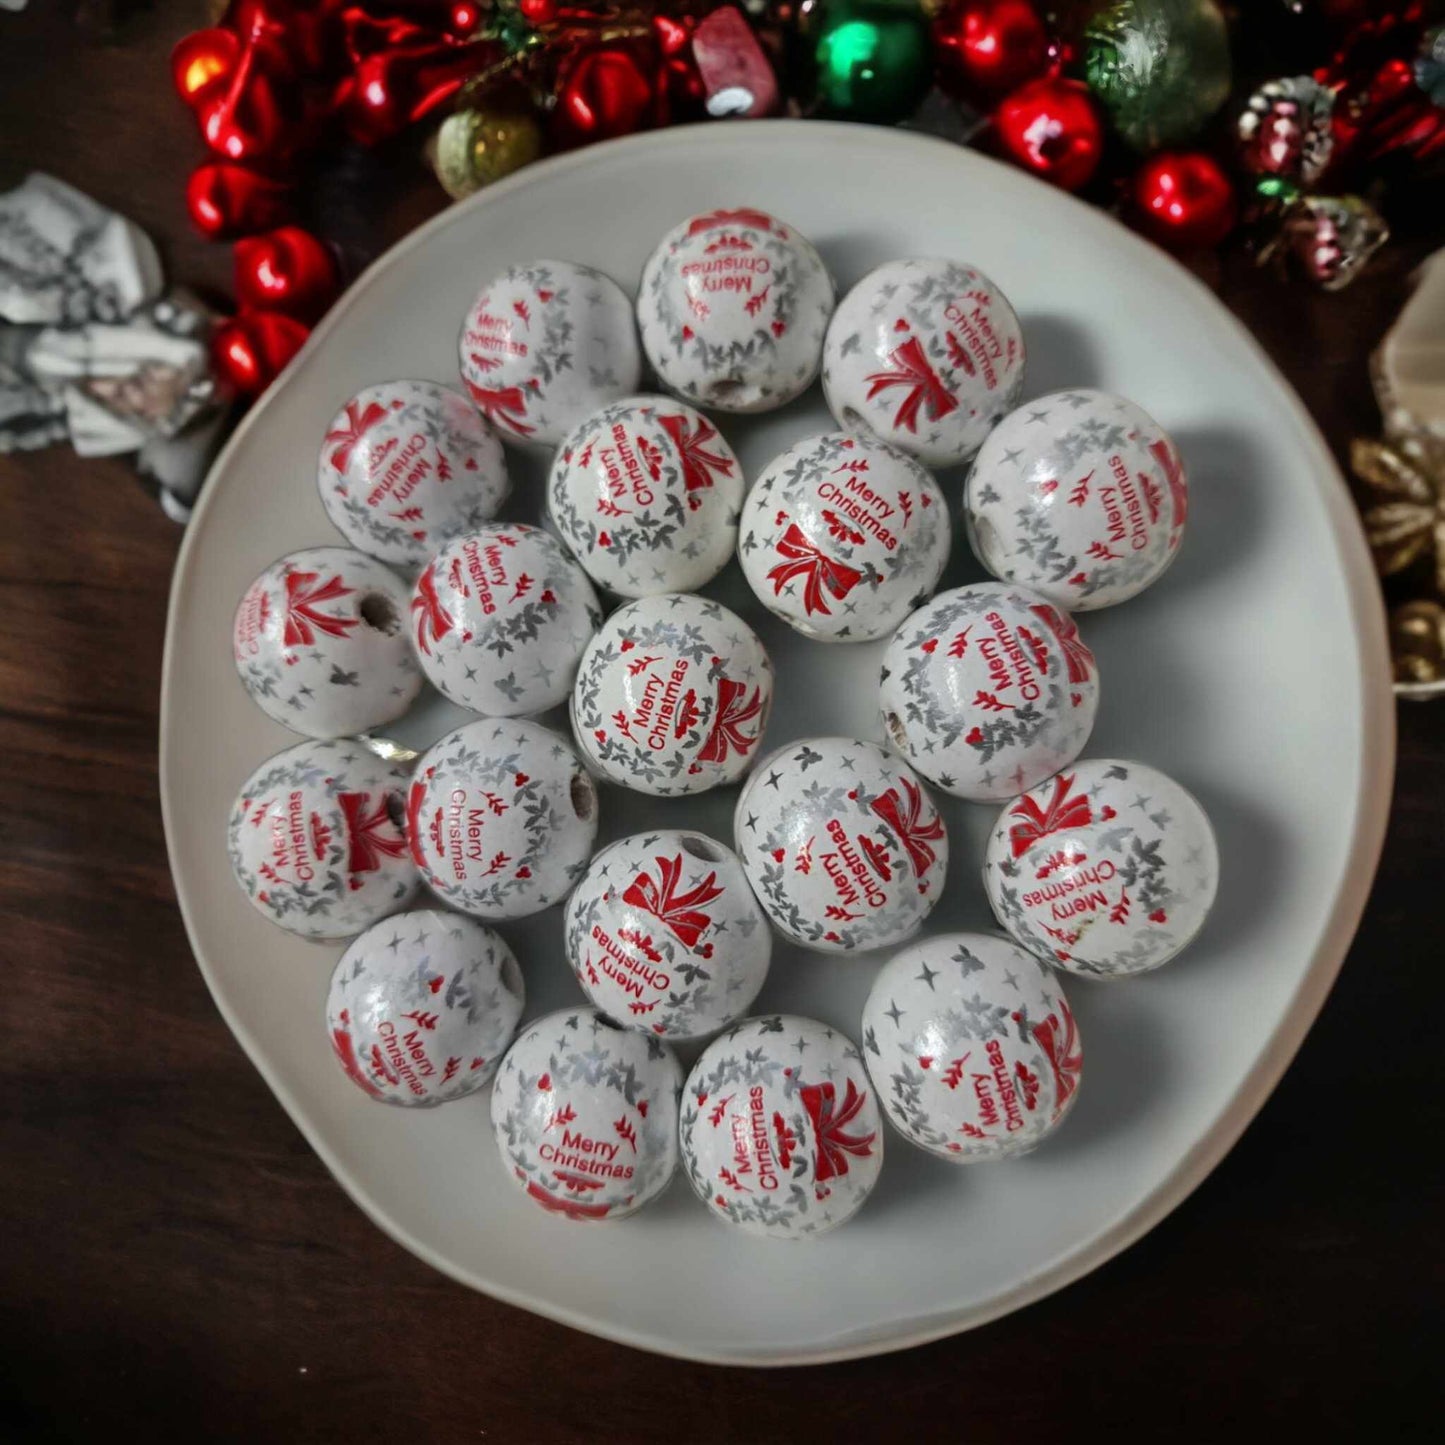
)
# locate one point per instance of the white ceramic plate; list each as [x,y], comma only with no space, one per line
[1254,672]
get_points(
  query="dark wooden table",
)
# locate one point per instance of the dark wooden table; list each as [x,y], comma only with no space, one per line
[174,1259]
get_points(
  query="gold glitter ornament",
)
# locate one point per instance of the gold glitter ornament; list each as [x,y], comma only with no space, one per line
[478,146]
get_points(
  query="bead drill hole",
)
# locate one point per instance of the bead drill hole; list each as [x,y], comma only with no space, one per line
[378,613]
[851,420]
[396,811]
[584,797]
[703,848]
[894,724]
[512,975]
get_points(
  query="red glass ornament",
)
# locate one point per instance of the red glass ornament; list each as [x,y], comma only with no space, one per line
[250,350]
[1184,200]
[225,200]
[1051,127]
[286,270]
[601,94]
[986,48]
[537,12]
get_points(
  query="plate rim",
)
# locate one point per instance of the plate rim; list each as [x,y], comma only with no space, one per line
[1367,825]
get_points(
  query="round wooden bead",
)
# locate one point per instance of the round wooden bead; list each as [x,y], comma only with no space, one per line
[546,344]
[842,845]
[781,1134]
[1080,495]
[405,467]
[320,643]
[422,1007]
[842,536]
[646,494]
[672,696]
[972,1047]
[316,840]
[585,1115]
[732,308]
[987,690]
[664,934]
[925,354]
[501,817]
[500,619]
[1106,870]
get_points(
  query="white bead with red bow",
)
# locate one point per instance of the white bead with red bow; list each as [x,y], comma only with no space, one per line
[841,843]
[665,935]
[672,696]
[842,536]
[987,690]
[971,1046]
[546,344]
[1108,869]
[646,494]
[500,619]
[585,1115]
[422,1007]
[925,354]
[781,1134]
[316,839]
[320,641]
[501,817]
[733,307]
[1080,495]
[405,467]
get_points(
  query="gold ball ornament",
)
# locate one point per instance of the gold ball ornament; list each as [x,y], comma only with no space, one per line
[476,147]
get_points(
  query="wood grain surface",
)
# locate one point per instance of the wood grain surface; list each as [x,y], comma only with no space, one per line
[173,1258]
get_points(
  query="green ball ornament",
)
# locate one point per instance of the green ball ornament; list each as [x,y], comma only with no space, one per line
[1159,68]
[873,59]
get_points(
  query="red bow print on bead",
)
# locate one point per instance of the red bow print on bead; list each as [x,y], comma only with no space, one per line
[1168,459]
[1060,1041]
[1064,811]
[1077,657]
[433,621]
[303,597]
[413,823]
[345,1050]
[912,369]
[822,572]
[698,464]
[570,1207]
[734,708]
[680,913]
[359,421]
[915,834]
[370,836]
[834,1146]
[756,220]
[502,405]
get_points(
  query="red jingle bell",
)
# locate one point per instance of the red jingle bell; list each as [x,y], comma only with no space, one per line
[392,89]
[1184,200]
[287,270]
[1051,127]
[986,48]
[250,350]
[225,200]
[603,94]
[202,58]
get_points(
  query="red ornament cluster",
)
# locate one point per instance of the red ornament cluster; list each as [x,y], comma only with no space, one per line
[999,56]
[269,85]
